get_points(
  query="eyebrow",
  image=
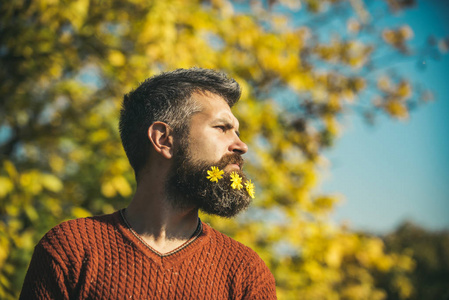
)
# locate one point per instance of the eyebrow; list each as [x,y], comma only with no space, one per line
[227,124]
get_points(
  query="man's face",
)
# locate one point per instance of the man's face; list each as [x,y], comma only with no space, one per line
[214,131]
[213,141]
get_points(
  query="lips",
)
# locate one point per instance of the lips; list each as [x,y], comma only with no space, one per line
[234,166]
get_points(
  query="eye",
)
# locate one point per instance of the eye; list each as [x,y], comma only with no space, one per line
[221,128]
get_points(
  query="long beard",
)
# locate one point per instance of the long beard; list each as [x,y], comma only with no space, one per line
[187,185]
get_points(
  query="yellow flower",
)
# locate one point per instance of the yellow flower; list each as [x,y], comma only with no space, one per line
[236,181]
[250,188]
[214,174]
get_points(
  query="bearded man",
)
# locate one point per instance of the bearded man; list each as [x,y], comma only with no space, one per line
[183,143]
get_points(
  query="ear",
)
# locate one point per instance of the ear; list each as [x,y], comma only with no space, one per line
[160,135]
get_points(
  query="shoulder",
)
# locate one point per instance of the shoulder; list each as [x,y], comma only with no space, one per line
[81,226]
[75,234]
[238,251]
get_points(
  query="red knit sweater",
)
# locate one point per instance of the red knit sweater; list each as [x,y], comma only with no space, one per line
[100,258]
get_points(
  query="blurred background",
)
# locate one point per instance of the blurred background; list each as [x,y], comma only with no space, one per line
[407,162]
[343,108]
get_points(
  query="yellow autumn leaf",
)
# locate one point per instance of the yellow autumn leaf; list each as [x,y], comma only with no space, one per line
[108,190]
[56,163]
[10,169]
[51,182]
[6,186]
[116,58]
[122,186]
[396,109]
[79,212]
[77,12]
[31,182]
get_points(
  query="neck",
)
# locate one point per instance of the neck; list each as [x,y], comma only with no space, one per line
[152,216]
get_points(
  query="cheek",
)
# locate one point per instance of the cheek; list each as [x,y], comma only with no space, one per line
[206,149]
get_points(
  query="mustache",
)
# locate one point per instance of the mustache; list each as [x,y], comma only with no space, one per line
[232,158]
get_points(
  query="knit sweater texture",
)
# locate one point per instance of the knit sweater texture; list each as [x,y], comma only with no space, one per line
[100,258]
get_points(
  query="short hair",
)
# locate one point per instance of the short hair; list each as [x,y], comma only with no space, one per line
[167,98]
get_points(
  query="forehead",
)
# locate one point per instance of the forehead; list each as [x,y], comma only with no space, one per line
[213,106]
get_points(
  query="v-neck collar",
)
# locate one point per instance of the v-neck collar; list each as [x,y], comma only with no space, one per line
[171,258]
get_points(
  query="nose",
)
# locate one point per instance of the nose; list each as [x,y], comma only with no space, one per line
[238,146]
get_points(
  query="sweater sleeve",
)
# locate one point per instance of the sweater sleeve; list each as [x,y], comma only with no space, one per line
[260,281]
[45,278]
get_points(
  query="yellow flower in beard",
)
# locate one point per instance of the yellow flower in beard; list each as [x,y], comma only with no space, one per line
[215,174]
[250,188]
[236,181]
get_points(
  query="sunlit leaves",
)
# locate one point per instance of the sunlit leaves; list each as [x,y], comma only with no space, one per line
[395,97]
[115,185]
[352,53]
[398,38]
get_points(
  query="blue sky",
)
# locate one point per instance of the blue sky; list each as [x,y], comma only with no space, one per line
[396,171]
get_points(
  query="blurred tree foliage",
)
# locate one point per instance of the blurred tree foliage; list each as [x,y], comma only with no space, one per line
[65,66]
[430,251]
